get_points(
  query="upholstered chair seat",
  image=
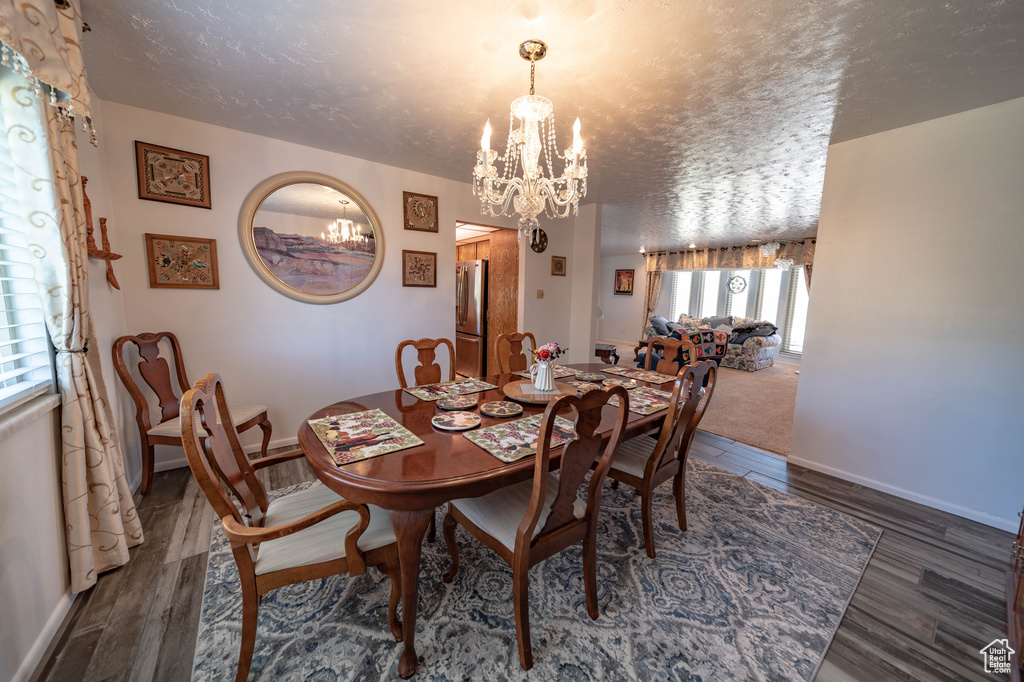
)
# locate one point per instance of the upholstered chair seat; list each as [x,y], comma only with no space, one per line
[239,415]
[499,513]
[324,541]
[633,455]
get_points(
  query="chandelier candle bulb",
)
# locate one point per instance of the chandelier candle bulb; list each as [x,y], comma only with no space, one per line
[485,141]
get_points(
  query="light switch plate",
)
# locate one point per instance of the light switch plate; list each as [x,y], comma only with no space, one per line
[540,293]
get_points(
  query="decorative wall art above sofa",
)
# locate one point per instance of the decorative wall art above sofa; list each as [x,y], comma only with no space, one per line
[311,237]
[172,175]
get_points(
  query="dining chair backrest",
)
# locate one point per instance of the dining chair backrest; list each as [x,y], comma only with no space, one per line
[671,348]
[155,372]
[515,360]
[427,371]
[219,465]
[578,456]
[686,408]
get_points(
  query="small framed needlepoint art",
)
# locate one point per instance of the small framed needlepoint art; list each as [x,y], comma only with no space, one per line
[182,262]
[419,269]
[420,212]
[172,175]
[558,265]
[624,282]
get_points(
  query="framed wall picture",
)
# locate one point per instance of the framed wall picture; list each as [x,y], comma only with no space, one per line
[172,175]
[624,282]
[419,269]
[558,266]
[311,237]
[182,262]
[420,212]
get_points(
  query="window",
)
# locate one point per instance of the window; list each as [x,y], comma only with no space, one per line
[769,289]
[778,296]
[709,293]
[736,304]
[796,312]
[682,288]
[26,368]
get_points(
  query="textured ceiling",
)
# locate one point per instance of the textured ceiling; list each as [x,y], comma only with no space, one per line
[316,201]
[704,121]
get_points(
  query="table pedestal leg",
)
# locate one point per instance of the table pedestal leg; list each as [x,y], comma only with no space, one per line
[409,529]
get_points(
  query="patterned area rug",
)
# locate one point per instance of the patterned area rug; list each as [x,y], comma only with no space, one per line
[754,590]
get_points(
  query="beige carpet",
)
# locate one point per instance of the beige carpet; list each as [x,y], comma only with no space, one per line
[755,408]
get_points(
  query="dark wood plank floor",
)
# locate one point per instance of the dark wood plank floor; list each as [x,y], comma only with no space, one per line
[929,600]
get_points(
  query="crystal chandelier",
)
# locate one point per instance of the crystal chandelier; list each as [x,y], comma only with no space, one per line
[536,190]
[783,263]
[342,229]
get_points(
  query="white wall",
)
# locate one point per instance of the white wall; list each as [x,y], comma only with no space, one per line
[293,357]
[548,317]
[912,377]
[584,273]
[622,314]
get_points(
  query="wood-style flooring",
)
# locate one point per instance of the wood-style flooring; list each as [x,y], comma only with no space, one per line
[931,597]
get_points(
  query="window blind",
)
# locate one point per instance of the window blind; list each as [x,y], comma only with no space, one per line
[26,364]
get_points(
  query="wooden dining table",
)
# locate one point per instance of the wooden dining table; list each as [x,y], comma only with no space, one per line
[412,483]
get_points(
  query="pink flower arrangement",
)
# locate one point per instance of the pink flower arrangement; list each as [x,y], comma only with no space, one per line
[549,351]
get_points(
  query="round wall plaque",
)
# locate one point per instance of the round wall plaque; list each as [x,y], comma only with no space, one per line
[737,284]
[539,241]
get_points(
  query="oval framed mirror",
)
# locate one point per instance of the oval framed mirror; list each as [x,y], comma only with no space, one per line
[311,237]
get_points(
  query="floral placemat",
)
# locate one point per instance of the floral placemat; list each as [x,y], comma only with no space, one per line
[362,435]
[514,440]
[642,400]
[431,392]
[640,374]
[558,372]
[582,386]
[645,400]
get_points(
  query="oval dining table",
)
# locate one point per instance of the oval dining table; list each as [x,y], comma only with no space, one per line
[410,484]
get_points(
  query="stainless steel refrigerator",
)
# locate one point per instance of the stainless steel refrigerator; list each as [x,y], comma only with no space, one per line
[471,317]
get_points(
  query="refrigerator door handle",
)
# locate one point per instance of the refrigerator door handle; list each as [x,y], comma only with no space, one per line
[464,297]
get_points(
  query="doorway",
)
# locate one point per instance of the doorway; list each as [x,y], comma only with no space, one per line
[498,247]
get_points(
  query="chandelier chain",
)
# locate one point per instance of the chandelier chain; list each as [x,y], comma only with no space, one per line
[533,70]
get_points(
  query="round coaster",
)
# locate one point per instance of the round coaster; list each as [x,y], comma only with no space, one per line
[625,383]
[456,421]
[501,408]
[457,402]
[590,376]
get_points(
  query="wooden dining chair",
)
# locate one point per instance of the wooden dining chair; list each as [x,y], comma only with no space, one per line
[305,535]
[156,373]
[530,521]
[645,462]
[671,362]
[515,360]
[428,371]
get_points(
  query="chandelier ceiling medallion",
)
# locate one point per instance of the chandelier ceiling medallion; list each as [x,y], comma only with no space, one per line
[529,145]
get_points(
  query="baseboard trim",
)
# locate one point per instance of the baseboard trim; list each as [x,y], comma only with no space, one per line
[182,461]
[54,624]
[1010,525]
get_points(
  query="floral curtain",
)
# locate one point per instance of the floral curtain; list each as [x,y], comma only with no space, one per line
[47,39]
[743,257]
[650,297]
[101,522]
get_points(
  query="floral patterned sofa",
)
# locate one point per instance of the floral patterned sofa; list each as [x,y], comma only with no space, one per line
[754,353]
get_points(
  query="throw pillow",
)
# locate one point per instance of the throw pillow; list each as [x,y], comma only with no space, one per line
[660,325]
[724,328]
[687,322]
[714,322]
